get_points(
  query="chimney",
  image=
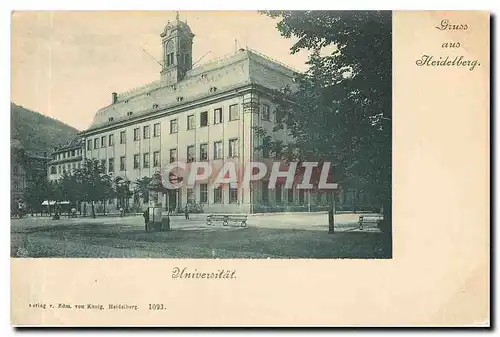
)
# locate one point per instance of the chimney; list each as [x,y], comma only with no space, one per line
[114,97]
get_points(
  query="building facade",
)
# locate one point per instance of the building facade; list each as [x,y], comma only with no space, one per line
[26,167]
[65,158]
[208,113]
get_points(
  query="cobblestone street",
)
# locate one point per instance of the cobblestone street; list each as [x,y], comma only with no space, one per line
[267,236]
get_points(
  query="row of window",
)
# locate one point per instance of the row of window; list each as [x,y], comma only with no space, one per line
[67,154]
[218,151]
[218,194]
[58,169]
[233,194]
[191,156]
[103,141]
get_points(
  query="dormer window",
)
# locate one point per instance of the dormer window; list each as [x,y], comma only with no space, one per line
[173,87]
[110,119]
[129,113]
[180,99]
[213,89]
[148,94]
[126,101]
[155,106]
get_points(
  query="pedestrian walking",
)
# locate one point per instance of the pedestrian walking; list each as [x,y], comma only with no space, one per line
[146,218]
[186,211]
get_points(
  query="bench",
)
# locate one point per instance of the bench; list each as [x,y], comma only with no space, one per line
[366,219]
[241,219]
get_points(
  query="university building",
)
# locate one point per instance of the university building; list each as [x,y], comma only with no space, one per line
[206,113]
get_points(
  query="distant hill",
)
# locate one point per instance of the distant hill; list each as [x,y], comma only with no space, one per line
[37,133]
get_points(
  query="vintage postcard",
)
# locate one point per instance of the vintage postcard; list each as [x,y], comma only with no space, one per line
[262,168]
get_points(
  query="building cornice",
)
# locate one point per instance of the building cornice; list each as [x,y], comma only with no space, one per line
[230,93]
[66,160]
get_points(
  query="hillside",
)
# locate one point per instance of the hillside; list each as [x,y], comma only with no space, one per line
[36,132]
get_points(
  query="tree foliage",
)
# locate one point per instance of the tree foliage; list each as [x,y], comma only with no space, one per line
[142,188]
[342,106]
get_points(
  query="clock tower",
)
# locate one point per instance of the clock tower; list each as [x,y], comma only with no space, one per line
[177,42]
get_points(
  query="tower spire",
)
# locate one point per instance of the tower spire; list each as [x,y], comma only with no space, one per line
[177,15]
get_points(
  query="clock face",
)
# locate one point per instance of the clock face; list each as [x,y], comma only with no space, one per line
[170,46]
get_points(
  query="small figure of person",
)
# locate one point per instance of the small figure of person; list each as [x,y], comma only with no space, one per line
[121,212]
[146,218]
[186,211]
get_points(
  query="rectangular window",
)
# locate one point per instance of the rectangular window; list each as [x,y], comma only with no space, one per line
[218,118]
[156,158]
[123,137]
[122,163]
[103,165]
[218,151]
[190,154]
[53,170]
[290,195]
[96,145]
[265,191]
[145,160]
[203,118]
[73,153]
[103,141]
[64,155]
[156,130]
[137,134]
[329,198]
[218,195]
[111,140]
[191,122]
[265,149]
[277,151]
[145,132]
[265,112]
[233,148]
[137,161]
[191,198]
[173,126]
[234,112]
[173,155]
[170,59]
[203,151]
[278,193]
[203,193]
[301,196]
[78,165]
[233,195]
[111,165]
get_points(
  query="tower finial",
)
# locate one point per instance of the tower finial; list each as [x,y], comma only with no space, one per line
[177,15]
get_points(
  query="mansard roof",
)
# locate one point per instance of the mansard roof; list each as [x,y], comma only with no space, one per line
[243,68]
[75,142]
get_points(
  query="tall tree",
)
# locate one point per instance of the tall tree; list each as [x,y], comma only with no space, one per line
[341,109]
[93,181]
[123,192]
[142,188]
[36,191]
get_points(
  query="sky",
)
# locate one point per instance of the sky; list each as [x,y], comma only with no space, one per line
[66,64]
